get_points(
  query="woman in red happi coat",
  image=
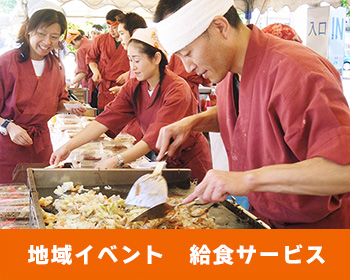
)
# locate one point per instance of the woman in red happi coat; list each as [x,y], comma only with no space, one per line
[156,97]
[32,90]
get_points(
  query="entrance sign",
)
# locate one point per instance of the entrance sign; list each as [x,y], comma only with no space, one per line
[326,33]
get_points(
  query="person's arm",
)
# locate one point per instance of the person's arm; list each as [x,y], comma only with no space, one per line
[91,132]
[114,90]
[76,111]
[131,154]
[77,78]
[122,78]
[17,134]
[316,176]
[180,130]
[96,77]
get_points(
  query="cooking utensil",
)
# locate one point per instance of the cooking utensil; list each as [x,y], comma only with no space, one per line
[161,210]
[71,95]
[150,189]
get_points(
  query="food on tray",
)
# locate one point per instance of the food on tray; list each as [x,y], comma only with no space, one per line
[14,224]
[13,191]
[88,209]
[14,205]
[14,212]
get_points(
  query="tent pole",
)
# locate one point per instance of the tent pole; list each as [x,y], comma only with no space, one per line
[248,10]
[25,7]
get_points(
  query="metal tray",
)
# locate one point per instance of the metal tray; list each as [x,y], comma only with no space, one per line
[42,182]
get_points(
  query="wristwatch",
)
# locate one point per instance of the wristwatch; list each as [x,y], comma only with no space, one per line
[3,129]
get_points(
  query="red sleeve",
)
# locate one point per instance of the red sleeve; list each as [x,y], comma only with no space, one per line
[81,60]
[93,55]
[119,112]
[318,118]
[177,104]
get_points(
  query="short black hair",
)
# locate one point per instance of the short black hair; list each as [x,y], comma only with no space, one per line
[132,21]
[81,31]
[167,7]
[112,14]
[99,27]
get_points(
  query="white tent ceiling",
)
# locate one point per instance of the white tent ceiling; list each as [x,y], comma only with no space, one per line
[262,5]
[277,5]
[99,8]
[124,5]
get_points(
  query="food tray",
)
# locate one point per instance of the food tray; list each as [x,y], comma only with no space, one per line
[14,206]
[81,93]
[43,182]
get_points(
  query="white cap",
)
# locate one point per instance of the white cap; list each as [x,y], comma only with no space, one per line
[43,5]
[149,36]
[185,25]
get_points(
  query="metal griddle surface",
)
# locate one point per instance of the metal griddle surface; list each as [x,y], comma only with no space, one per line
[44,181]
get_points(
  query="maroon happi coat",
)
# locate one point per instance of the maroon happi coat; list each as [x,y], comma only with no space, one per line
[176,65]
[83,65]
[291,108]
[30,103]
[133,127]
[174,103]
[112,62]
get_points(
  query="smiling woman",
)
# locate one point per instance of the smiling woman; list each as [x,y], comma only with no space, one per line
[155,97]
[39,35]
[32,90]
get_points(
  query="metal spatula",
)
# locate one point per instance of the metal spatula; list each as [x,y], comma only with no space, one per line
[150,189]
[161,210]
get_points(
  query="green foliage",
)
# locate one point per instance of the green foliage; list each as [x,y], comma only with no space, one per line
[86,28]
[7,6]
[345,4]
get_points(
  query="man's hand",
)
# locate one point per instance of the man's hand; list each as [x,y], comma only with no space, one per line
[115,90]
[122,78]
[19,135]
[72,85]
[217,185]
[171,137]
[96,77]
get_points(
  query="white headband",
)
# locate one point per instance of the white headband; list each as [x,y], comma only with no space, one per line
[188,23]
[43,5]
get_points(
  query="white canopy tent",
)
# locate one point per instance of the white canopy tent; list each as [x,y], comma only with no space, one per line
[263,5]
[99,8]
[96,10]
[124,5]
[248,6]
[243,5]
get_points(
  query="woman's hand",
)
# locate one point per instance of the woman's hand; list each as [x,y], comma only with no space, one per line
[108,163]
[59,155]
[79,111]
[18,135]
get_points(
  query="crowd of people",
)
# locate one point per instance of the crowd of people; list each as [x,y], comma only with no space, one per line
[281,111]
